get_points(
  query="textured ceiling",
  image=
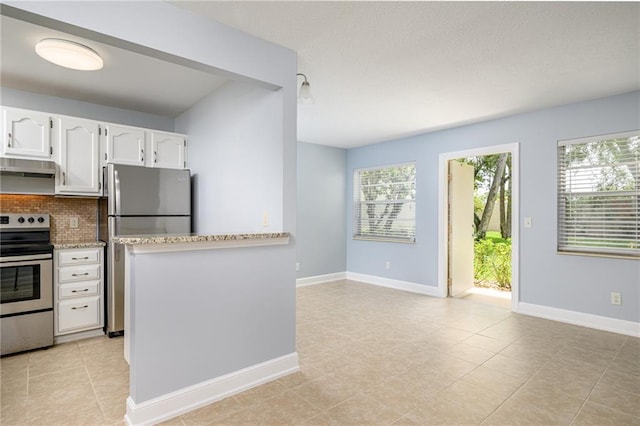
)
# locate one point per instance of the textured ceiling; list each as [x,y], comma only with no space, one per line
[378,70]
[382,70]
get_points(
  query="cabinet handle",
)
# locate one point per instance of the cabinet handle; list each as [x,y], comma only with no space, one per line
[79,291]
[64,178]
[80,307]
[79,275]
[80,258]
[142,155]
[155,156]
[9,140]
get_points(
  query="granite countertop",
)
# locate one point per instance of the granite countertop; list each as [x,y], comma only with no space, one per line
[77,244]
[195,238]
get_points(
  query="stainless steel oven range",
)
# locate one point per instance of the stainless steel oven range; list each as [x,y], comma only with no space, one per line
[26,282]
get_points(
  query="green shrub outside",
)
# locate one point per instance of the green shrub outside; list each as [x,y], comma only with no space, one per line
[492,261]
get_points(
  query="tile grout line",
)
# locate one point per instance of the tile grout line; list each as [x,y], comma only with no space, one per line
[93,388]
[573,419]
[28,380]
[519,387]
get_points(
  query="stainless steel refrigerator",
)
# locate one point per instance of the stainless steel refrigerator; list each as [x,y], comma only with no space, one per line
[139,201]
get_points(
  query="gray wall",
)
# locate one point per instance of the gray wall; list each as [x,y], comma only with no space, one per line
[56,105]
[235,154]
[321,210]
[219,311]
[574,283]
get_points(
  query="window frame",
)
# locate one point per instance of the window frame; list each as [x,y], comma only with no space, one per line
[577,197]
[358,203]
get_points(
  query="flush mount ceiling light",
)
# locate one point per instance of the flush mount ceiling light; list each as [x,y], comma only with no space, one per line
[304,94]
[69,54]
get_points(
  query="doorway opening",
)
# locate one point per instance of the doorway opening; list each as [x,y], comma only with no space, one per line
[478,253]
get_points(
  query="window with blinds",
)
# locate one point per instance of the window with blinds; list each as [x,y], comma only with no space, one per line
[599,195]
[384,203]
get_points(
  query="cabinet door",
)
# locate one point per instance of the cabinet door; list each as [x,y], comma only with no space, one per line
[79,289]
[79,146]
[78,314]
[26,134]
[168,150]
[78,257]
[125,145]
[78,273]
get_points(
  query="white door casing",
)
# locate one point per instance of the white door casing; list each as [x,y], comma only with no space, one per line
[443,220]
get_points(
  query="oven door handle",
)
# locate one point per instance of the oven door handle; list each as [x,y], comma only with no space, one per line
[44,256]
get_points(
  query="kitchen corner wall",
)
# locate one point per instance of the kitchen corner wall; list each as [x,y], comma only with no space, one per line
[61,211]
[322,212]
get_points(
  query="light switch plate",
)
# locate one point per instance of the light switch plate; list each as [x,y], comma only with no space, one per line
[527,222]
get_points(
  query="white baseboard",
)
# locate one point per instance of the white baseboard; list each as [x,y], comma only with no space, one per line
[77,336]
[320,279]
[613,325]
[184,400]
[397,284]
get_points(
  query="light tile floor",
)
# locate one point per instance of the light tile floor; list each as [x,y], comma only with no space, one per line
[370,356]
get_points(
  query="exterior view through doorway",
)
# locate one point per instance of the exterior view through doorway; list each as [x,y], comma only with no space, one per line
[463,226]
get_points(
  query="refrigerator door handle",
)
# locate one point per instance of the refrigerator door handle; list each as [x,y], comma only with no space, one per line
[116,192]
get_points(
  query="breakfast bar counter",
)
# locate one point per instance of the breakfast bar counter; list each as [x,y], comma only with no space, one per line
[212,315]
[178,242]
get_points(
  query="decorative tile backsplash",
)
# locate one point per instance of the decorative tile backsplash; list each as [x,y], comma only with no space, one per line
[61,210]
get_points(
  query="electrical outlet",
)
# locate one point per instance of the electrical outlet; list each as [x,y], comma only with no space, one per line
[616,299]
[265,220]
[527,222]
[297,266]
[388,265]
[73,222]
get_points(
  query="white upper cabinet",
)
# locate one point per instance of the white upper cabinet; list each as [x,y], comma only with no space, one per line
[81,147]
[78,160]
[168,150]
[124,145]
[26,134]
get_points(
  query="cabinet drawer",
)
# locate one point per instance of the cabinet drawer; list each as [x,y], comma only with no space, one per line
[81,289]
[78,257]
[79,314]
[79,273]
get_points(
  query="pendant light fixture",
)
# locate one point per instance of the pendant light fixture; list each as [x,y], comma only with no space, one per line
[304,94]
[69,54]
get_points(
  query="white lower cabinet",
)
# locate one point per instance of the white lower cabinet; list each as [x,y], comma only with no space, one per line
[78,290]
[78,315]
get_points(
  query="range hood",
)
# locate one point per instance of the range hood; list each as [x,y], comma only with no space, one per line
[19,176]
[27,167]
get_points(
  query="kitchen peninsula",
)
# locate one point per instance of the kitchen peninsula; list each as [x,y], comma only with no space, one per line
[202,318]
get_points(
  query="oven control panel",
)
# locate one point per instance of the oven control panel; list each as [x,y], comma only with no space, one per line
[24,220]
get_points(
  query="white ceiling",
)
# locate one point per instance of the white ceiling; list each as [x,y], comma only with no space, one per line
[382,70]
[378,70]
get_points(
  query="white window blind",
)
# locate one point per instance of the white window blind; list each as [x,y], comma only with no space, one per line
[599,195]
[384,202]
